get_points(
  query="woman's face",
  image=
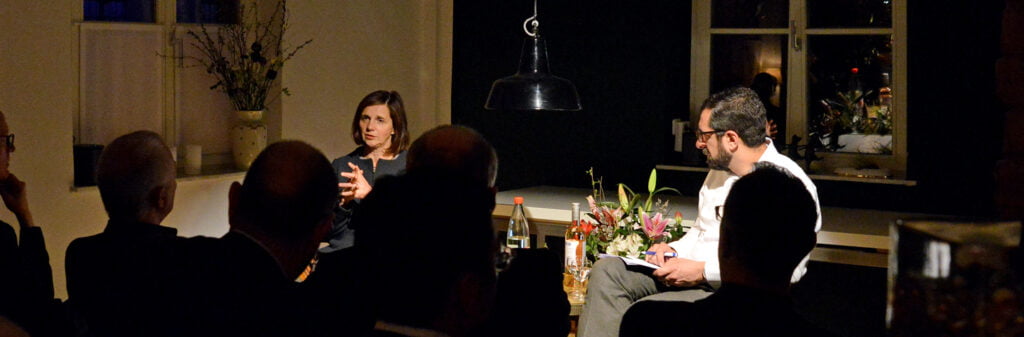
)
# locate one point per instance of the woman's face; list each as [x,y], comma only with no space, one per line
[376,127]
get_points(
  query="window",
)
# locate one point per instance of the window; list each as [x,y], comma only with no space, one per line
[135,74]
[833,74]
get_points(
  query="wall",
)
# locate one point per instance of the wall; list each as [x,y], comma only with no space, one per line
[362,46]
[359,46]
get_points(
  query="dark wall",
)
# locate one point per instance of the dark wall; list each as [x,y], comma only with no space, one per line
[955,120]
[630,62]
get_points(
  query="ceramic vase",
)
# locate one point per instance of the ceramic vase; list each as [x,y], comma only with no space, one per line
[248,137]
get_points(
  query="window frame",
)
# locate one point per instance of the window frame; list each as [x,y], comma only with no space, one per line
[174,42]
[796,76]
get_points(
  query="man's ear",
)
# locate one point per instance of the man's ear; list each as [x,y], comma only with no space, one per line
[234,192]
[731,140]
[161,198]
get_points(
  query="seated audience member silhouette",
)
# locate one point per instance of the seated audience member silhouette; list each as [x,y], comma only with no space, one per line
[762,241]
[26,280]
[530,288]
[243,284]
[456,150]
[432,250]
[109,278]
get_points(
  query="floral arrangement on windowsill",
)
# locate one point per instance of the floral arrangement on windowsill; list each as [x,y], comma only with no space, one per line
[246,57]
[847,113]
[628,227]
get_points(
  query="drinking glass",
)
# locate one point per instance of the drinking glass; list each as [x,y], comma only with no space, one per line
[579,268]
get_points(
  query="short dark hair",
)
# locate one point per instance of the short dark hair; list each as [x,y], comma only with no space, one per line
[396,108]
[768,222]
[738,109]
[457,149]
[442,224]
[129,168]
[289,189]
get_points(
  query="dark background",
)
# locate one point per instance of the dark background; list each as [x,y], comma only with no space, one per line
[630,63]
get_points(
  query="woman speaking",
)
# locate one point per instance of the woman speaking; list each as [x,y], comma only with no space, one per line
[380,130]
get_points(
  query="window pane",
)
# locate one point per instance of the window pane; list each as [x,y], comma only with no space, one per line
[208,11]
[850,107]
[755,61]
[121,83]
[849,13]
[750,14]
[119,10]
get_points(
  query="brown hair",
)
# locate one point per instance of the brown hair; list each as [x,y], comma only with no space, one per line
[400,140]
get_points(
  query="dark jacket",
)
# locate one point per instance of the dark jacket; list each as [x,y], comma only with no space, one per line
[26,284]
[733,310]
[111,277]
[342,234]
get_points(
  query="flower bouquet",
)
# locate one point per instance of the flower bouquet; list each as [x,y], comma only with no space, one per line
[628,227]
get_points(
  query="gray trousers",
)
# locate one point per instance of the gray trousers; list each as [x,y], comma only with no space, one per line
[613,288]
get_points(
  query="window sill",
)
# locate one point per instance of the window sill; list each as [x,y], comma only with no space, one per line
[209,173]
[819,177]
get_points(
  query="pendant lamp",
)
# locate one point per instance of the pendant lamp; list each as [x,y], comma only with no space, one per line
[533,87]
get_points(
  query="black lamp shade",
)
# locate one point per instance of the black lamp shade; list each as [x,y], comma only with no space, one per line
[533,87]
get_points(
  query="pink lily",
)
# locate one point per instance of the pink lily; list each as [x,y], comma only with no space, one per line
[654,227]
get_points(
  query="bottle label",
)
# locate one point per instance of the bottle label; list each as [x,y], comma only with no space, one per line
[570,249]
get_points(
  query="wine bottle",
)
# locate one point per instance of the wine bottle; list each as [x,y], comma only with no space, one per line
[575,238]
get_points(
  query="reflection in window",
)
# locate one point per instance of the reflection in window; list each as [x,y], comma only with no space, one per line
[755,61]
[849,13]
[850,98]
[119,10]
[750,14]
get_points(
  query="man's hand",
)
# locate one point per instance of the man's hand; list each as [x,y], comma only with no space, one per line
[659,257]
[356,188]
[772,128]
[12,190]
[680,272]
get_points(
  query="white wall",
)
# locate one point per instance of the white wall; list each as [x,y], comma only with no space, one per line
[359,46]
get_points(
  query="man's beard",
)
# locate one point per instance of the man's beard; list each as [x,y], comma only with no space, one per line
[720,163]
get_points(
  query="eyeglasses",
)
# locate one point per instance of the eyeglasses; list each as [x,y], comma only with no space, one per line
[704,135]
[9,141]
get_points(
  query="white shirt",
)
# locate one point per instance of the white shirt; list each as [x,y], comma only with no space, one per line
[701,242]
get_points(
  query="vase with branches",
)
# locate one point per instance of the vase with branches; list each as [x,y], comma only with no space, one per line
[246,58]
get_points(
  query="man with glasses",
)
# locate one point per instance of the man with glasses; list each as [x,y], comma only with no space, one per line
[26,284]
[731,131]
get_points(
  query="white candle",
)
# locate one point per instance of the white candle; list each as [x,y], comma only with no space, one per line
[193,159]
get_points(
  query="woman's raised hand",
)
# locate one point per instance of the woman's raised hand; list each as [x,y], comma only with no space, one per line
[356,188]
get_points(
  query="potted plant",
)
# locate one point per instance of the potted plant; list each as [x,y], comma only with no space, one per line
[246,59]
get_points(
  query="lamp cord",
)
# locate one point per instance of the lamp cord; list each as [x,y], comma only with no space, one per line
[533,19]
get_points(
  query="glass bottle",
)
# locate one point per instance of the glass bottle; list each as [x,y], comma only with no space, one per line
[885,93]
[576,262]
[575,238]
[518,229]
